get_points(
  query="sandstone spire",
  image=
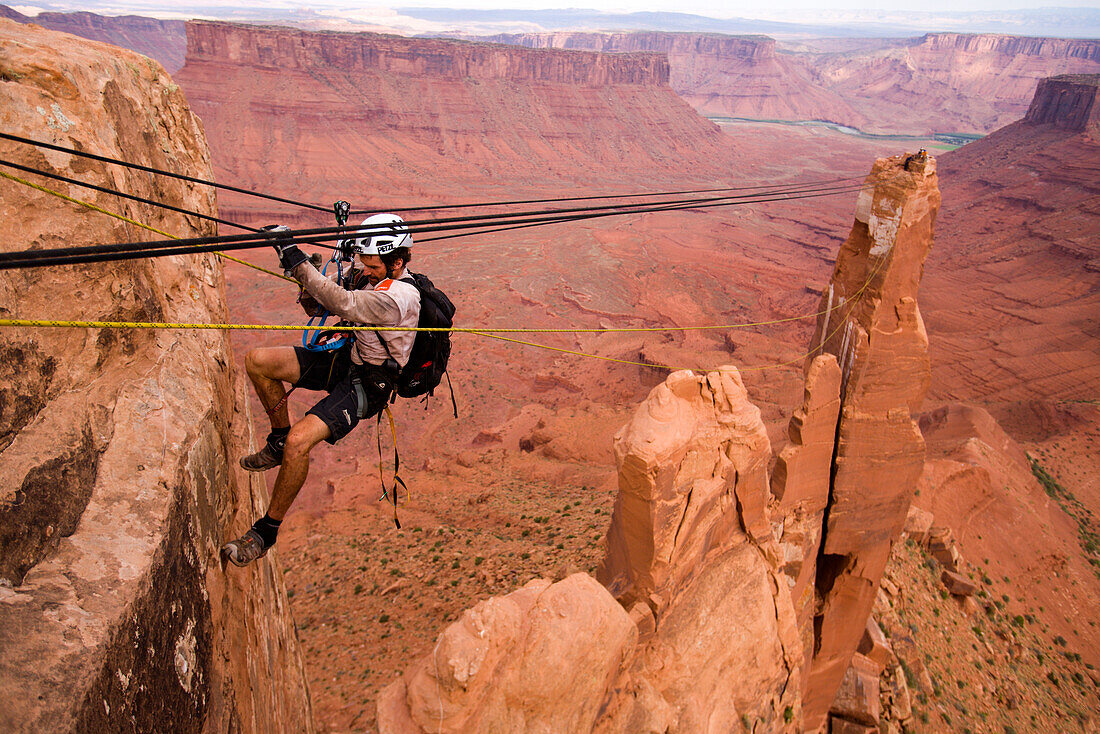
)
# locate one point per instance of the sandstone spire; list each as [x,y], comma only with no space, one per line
[872,325]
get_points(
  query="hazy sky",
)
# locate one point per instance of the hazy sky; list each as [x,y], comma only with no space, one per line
[712,8]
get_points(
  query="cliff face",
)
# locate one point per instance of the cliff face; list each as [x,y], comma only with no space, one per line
[747,597]
[940,82]
[117,448]
[290,49]
[1051,48]
[951,82]
[738,76]
[374,117]
[1067,102]
[161,40]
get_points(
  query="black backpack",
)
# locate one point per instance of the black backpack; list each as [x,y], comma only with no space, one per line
[431,349]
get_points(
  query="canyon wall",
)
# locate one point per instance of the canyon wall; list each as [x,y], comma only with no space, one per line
[1050,48]
[949,82]
[290,49]
[376,119]
[164,41]
[940,82]
[118,448]
[1067,102]
[737,76]
[727,600]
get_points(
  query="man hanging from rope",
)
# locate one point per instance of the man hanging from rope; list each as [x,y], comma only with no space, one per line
[359,378]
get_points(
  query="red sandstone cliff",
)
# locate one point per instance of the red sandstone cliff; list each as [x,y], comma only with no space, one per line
[737,76]
[948,82]
[1068,102]
[291,49]
[162,40]
[375,118]
[940,82]
[118,478]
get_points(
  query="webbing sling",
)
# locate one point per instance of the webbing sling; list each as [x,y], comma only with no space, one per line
[397,480]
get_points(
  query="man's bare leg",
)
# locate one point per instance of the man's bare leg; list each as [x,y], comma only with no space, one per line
[304,435]
[268,368]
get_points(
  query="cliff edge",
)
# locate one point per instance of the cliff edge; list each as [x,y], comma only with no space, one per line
[117,447]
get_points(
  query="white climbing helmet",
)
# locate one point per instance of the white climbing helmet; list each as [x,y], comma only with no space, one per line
[381,239]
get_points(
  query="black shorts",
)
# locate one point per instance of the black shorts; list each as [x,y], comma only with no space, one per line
[321,370]
[345,405]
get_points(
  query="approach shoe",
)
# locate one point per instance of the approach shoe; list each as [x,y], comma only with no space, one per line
[245,549]
[264,459]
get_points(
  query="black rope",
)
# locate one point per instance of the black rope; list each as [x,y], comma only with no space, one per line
[470,205]
[132,197]
[180,176]
[293,202]
[431,225]
[327,234]
[208,244]
[671,207]
[319,235]
[195,245]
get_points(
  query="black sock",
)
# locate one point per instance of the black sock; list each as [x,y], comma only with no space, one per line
[267,529]
[277,439]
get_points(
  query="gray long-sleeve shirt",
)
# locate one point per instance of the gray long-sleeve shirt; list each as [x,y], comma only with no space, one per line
[390,303]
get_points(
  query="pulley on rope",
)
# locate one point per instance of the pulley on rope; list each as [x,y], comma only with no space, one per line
[320,339]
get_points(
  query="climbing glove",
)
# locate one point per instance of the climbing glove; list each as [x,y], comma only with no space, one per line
[290,256]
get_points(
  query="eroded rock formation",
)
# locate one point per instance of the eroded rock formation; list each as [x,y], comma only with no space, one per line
[691,542]
[871,324]
[710,640]
[118,478]
[800,486]
[539,659]
[748,597]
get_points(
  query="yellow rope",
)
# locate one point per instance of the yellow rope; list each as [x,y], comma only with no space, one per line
[126,219]
[481,330]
